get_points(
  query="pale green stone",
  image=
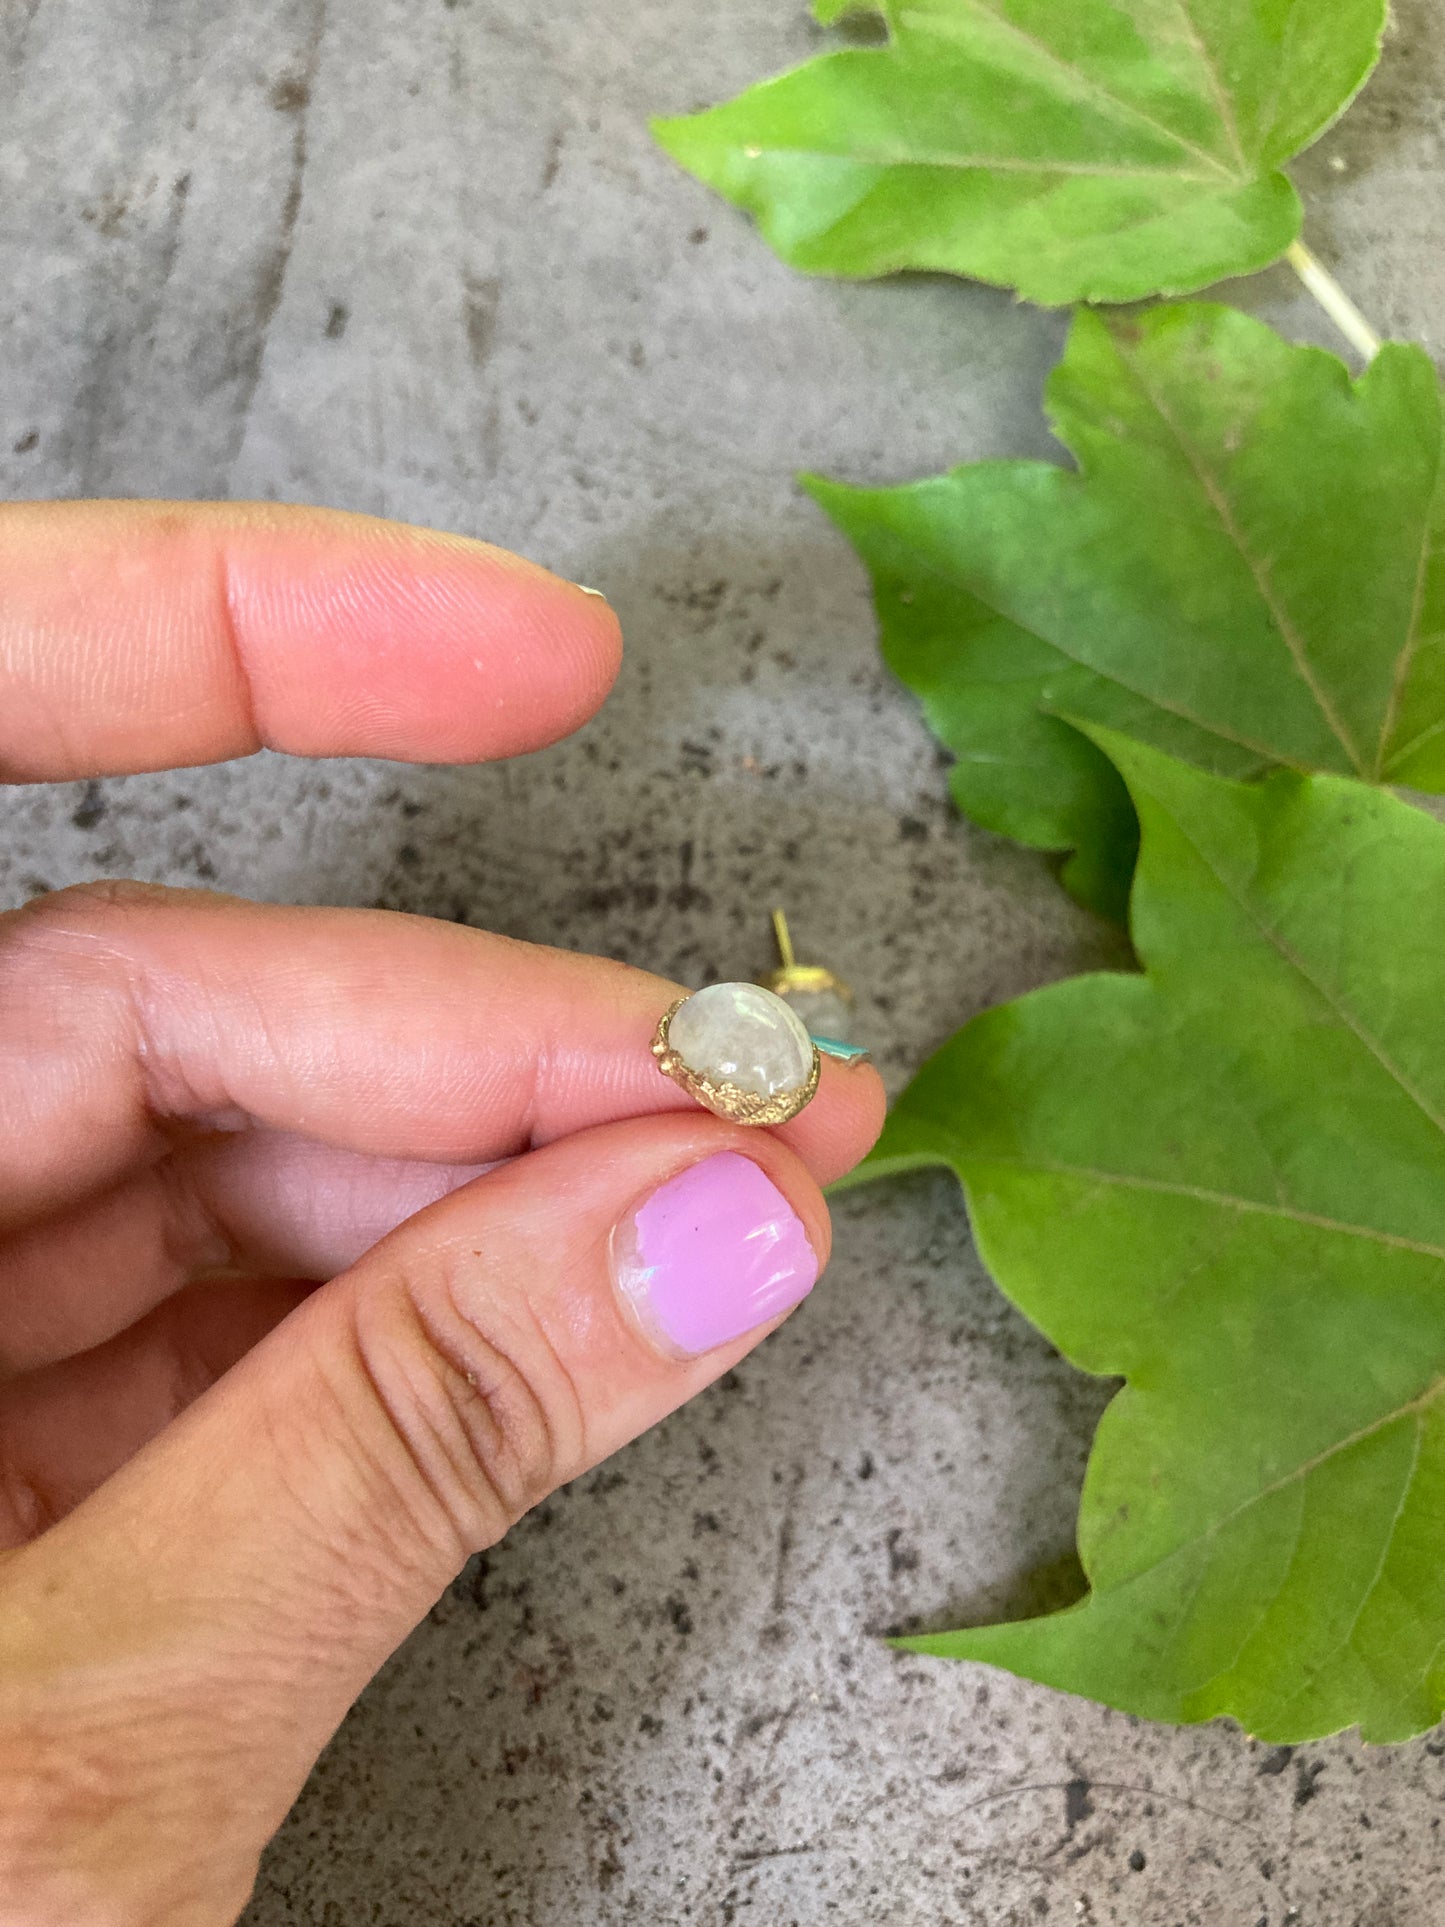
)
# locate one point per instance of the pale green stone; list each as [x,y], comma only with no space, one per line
[743,1035]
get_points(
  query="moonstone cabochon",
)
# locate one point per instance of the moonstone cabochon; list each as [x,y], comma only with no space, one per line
[743,1035]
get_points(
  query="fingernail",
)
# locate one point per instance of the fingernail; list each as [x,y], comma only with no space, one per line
[713,1253]
[600,594]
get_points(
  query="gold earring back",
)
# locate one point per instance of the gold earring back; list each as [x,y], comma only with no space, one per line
[820,997]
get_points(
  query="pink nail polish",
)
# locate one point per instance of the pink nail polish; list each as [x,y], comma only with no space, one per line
[713,1253]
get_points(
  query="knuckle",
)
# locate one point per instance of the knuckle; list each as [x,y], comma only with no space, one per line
[26,1507]
[81,913]
[73,926]
[80,904]
[474,1390]
[80,979]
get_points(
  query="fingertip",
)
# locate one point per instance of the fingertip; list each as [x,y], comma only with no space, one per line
[398,642]
[585,658]
[842,1124]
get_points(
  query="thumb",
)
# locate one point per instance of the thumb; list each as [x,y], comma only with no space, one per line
[266,1553]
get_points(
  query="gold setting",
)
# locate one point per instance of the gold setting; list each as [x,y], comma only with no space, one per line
[724,1099]
[791,977]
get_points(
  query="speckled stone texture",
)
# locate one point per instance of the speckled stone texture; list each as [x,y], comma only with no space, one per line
[418,257]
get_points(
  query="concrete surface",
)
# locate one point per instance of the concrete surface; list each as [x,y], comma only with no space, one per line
[420,259]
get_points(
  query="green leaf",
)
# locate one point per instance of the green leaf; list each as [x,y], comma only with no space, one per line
[1225,1181]
[1248,570]
[1077,150]
[829,12]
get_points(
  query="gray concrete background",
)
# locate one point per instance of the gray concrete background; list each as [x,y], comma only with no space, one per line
[421,259]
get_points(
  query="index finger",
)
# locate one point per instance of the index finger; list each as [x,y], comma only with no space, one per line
[128,1011]
[153,635]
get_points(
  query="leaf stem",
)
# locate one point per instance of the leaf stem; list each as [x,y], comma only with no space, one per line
[1333,299]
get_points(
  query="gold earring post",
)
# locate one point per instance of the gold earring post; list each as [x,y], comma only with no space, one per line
[785,941]
[794,979]
[821,999]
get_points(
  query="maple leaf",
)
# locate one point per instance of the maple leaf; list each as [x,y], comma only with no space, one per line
[1076,150]
[1224,1181]
[1246,570]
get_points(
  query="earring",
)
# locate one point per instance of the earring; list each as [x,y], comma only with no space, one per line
[820,998]
[753,1052]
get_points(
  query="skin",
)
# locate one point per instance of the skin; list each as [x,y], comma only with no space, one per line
[282,1342]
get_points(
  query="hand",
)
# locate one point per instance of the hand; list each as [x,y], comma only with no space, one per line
[228,1492]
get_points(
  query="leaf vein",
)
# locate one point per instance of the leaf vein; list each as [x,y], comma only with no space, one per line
[1418,741]
[1086,86]
[1413,640]
[1002,164]
[1223,105]
[1267,752]
[1202,1194]
[1292,957]
[1313,1672]
[1411,1408]
[1219,501]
